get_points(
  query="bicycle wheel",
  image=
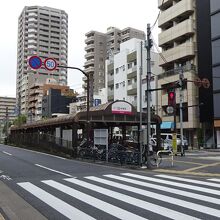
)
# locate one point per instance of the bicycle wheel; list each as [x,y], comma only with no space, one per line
[155,159]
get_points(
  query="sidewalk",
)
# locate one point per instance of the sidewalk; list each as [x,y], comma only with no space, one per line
[13,207]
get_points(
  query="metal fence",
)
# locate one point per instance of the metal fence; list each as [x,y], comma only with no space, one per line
[115,153]
[42,142]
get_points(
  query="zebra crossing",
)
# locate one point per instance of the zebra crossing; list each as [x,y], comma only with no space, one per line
[129,196]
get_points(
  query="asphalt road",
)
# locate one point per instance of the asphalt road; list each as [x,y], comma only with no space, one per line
[57,188]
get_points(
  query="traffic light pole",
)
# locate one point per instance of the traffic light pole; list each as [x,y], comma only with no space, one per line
[148,46]
[181,108]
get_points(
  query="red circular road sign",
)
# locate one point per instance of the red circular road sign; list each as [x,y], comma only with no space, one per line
[50,64]
[35,62]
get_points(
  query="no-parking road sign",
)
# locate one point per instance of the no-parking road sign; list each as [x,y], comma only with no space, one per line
[50,64]
[35,62]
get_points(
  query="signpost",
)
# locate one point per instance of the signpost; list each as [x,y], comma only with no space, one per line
[35,62]
[50,64]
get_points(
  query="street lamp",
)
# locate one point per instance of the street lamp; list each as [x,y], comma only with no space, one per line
[87,108]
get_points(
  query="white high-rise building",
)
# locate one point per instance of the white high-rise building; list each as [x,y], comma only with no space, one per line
[43,32]
[123,76]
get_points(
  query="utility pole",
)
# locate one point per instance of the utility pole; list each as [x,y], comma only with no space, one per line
[148,47]
[140,105]
[181,78]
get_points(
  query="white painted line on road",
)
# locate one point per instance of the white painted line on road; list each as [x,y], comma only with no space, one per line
[56,171]
[189,180]
[38,152]
[6,153]
[169,213]
[159,196]
[174,183]
[215,180]
[50,155]
[167,189]
[97,203]
[59,205]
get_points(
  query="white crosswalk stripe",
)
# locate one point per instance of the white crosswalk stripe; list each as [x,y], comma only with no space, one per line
[62,207]
[189,180]
[215,180]
[117,212]
[129,196]
[187,186]
[167,189]
[133,201]
[158,196]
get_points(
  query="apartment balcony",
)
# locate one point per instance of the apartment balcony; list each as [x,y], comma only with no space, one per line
[89,62]
[165,2]
[90,39]
[132,89]
[186,27]
[184,7]
[90,55]
[90,70]
[89,47]
[32,31]
[181,51]
[132,72]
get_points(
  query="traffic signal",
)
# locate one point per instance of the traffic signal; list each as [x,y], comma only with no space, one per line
[171,98]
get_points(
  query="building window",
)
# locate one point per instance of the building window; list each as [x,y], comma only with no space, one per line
[116,85]
[117,70]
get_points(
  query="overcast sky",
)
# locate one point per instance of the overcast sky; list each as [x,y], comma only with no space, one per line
[84,15]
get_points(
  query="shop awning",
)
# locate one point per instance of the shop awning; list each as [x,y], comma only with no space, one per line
[167,125]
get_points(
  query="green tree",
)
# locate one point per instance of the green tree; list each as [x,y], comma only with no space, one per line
[20,120]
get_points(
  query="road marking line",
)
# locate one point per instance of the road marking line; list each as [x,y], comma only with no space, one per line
[187,173]
[169,213]
[167,189]
[160,197]
[187,162]
[189,180]
[215,180]
[56,171]
[38,152]
[6,153]
[97,203]
[59,205]
[171,183]
[203,166]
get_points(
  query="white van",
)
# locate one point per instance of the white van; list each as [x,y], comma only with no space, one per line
[169,137]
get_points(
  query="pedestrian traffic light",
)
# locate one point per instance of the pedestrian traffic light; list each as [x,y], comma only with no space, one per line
[171,98]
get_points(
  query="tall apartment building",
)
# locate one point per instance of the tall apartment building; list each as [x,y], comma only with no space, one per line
[123,74]
[101,46]
[184,40]
[10,104]
[7,111]
[42,31]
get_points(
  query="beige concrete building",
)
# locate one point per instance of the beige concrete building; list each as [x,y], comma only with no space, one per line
[178,40]
[102,46]
[7,112]
[42,31]
[36,93]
